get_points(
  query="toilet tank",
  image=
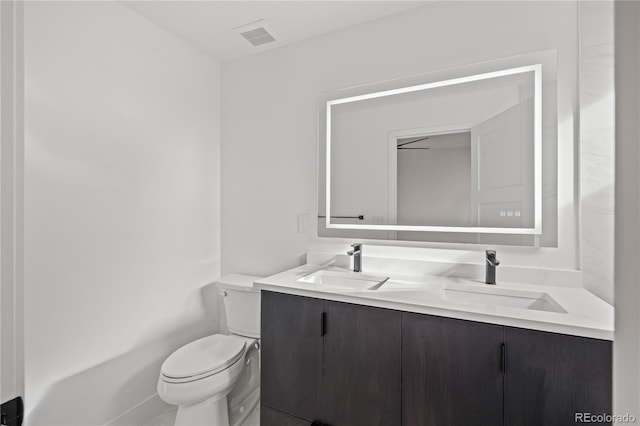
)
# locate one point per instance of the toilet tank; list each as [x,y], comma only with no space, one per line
[241,303]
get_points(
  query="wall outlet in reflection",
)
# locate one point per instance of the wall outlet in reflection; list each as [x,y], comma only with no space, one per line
[303,223]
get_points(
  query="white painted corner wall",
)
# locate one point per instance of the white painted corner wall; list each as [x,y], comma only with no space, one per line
[597,146]
[269,174]
[11,205]
[626,345]
[122,207]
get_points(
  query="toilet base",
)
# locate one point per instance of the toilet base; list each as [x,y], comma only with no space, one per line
[253,419]
[211,411]
[240,413]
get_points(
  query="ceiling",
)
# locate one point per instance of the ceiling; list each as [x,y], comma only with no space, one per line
[207,25]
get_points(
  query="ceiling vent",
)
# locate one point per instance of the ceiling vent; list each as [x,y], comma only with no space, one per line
[257,33]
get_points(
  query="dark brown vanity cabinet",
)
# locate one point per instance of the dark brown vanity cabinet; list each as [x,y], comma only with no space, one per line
[330,363]
[362,361]
[291,351]
[271,417]
[327,363]
[550,378]
[451,372]
[464,373]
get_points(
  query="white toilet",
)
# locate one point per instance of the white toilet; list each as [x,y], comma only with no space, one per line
[216,380]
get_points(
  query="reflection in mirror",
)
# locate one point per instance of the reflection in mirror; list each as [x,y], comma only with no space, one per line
[460,155]
[433,167]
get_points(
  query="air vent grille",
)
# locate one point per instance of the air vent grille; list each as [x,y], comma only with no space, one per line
[257,33]
[258,36]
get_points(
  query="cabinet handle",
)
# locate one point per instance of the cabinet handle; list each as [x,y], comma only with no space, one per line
[503,359]
[323,324]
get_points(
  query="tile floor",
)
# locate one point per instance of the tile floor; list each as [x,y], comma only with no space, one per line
[168,419]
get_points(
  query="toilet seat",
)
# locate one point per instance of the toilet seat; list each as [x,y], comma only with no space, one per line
[203,358]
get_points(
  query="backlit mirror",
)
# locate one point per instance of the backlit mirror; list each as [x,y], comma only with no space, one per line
[456,155]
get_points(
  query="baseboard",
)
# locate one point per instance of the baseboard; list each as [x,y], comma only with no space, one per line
[141,413]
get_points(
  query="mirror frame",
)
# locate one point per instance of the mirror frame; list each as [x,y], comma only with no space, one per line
[537,154]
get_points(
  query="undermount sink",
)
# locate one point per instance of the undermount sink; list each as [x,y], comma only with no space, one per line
[487,295]
[344,279]
[466,293]
[481,294]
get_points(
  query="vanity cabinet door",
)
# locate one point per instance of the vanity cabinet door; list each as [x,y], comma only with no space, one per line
[551,377]
[362,372]
[291,373]
[451,372]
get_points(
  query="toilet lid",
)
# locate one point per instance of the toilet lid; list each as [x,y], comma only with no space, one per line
[208,355]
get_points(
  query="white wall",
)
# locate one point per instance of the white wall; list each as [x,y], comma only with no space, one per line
[11,213]
[597,150]
[626,347]
[270,104]
[121,208]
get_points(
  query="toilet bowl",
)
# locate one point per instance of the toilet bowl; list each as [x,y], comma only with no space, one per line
[215,380]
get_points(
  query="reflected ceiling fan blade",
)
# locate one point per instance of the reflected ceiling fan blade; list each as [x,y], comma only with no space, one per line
[414,141]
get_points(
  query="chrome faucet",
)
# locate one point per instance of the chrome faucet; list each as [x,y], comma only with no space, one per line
[357,256]
[492,262]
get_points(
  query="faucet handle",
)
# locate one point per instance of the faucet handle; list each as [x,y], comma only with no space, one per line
[356,255]
[491,257]
[492,262]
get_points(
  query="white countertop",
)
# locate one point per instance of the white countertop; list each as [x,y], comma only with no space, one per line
[586,315]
